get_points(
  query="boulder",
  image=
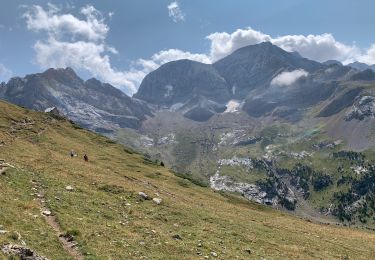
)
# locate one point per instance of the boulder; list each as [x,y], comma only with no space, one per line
[177,237]
[21,252]
[158,201]
[69,188]
[47,213]
[143,195]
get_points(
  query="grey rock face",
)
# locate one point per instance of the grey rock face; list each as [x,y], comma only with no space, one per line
[201,109]
[255,66]
[361,66]
[289,102]
[363,108]
[92,104]
[366,75]
[341,102]
[21,252]
[250,191]
[179,81]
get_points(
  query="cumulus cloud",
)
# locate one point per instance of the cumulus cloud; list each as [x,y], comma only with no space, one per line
[223,43]
[174,12]
[316,47]
[5,73]
[287,78]
[165,56]
[369,56]
[58,25]
[78,43]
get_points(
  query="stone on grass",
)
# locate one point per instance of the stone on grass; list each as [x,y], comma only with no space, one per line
[69,188]
[143,195]
[46,213]
[21,252]
[177,237]
[157,200]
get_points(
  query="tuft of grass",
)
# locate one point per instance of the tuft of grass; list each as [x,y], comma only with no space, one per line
[114,189]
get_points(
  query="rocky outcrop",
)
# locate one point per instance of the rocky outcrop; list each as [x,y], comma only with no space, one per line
[363,108]
[280,195]
[21,252]
[249,191]
[361,66]
[179,81]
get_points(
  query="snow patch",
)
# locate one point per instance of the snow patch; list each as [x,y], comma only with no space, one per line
[169,89]
[176,107]
[232,106]
[49,109]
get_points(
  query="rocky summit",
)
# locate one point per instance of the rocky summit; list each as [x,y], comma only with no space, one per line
[92,104]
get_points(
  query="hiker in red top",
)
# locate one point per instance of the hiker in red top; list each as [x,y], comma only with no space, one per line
[86,158]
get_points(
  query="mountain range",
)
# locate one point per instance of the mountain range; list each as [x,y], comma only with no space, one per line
[194,89]
[271,125]
[93,104]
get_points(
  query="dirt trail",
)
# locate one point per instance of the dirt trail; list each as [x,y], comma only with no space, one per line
[67,241]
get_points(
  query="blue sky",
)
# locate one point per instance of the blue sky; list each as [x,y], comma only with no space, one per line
[121,41]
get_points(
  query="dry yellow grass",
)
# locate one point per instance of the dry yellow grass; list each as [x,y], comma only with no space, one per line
[112,222]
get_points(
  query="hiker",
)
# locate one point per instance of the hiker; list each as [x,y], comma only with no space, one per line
[86,158]
[72,153]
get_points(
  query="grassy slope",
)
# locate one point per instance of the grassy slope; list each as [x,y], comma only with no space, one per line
[225,224]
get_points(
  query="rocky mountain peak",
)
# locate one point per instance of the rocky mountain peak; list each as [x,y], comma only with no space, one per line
[93,104]
[179,81]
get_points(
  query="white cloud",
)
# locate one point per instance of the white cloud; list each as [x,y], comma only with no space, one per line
[287,78]
[369,56]
[223,43]
[78,43]
[58,26]
[5,73]
[165,56]
[316,47]
[174,11]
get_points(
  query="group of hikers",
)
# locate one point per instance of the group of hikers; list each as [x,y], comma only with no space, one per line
[74,154]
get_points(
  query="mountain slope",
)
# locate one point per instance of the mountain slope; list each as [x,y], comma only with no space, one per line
[93,104]
[361,66]
[255,66]
[104,215]
[179,81]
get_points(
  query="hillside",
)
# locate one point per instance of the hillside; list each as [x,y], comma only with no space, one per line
[103,215]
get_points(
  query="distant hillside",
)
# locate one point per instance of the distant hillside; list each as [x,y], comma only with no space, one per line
[361,66]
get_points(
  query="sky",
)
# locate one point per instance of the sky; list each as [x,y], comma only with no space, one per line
[121,41]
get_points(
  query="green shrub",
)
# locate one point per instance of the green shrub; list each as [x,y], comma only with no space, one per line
[114,189]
